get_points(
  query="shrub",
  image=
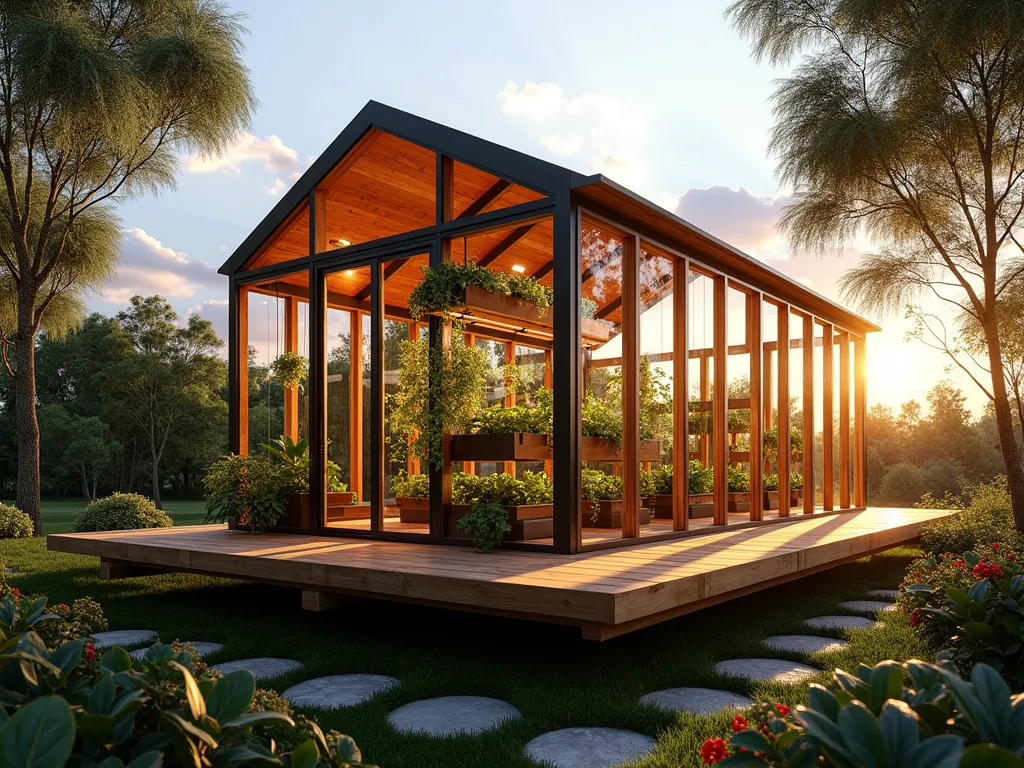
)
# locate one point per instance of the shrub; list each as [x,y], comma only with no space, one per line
[83,618]
[503,489]
[702,479]
[872,718]
[770,482]
[600,486]
[796,481]
[406,486]
[600,420]
[487,524]
[903,483]
[971,608]
[985,518]
[249,490]
[121,512]
[161,710]
[739,481]
[14,524]
[536,417]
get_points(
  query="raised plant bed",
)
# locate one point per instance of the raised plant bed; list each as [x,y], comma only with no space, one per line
[528,521]
[771,500]
[413,510]
[700,505]
[507,446]
[524,314]
[609,514]
[738,502]
[296,510]
[600,449]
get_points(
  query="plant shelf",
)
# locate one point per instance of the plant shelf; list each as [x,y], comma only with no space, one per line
[506,446]
[600,449]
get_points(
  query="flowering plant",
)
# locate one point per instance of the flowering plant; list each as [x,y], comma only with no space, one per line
[971,608]
[766,734]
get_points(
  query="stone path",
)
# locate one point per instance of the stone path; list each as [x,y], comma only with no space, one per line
[338,690]
[122,637]
[840,622]
[452,715]
[696,700]
[202,648]
[867,606]
[262,668]
[884,594]
[803,643]
[775,670]
[588,747]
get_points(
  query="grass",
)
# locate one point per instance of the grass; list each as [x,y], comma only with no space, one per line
[555,679]
[59,515]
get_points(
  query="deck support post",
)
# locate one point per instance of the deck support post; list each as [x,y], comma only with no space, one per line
[120,569]
[327,601]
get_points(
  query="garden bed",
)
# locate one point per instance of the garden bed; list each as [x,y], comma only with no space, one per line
[506,446]
[413,510]
[528,521]
[699,504]
[608,514]
[600,449]
[524,314]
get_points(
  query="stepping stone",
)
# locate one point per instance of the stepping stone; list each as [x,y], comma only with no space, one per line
[10,569]
[883,594]
[122,637]
[697,700]
[775,670]
[452,715]
[588,747]
[262,668]
[804,643]
[338,690]
[203,649]
[840,622]
[867,606]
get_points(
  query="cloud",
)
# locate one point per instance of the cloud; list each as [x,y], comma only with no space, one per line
[739,217]
[562,144]
[147,266]
[276,157]
[534,101]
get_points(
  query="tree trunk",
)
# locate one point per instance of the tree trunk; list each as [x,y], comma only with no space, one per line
[1011,451]
[156,481]
[85,484]
[28,427]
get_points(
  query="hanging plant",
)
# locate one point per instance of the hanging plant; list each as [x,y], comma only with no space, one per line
[443,288]
[290,369]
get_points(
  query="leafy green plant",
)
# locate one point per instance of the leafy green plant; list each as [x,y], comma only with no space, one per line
[290,369]
[702,479]
[739,481]
[655,402]
[121,512]
[796,481]
[83,618]
[443,288]
[596,485]
[536,417]
[600,420]
[406,486]
[502,488]
[249,490]
[588,308]
[971,608]
[985,517]
[871,718]
[487,524]
[293,458]
[770,482]
[14,524]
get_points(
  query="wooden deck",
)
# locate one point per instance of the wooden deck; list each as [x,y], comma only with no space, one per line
[606,593]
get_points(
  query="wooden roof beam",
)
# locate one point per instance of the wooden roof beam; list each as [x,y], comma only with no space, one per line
[389,271]
[510,239]
[485,199]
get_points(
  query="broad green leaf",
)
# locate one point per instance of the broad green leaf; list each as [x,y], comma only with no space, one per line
[249,756]
[196,703]
[305,755]
[979,591]
[990,756]
[821,700]
[96,728]
[253,719]
[750,739]
[188,730]
[899,724]
[862,736]
[231,696]
[994,695]
[101,698]
[939,752]
[147,760]
[116,660]
[39,735]
[825,732]
[346,749]
[886,683]
[111,762]
[979,630]
[67,657]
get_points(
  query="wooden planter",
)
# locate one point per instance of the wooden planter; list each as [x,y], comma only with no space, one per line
[600,449]
[525,314]
[771,500]
[528,521]
[413,510]
[700,505]
[796,497]
[609,514]
[507,446]
[738,502]
[296,511]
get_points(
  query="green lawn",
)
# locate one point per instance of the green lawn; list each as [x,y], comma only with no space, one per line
[59,515]
[555,679]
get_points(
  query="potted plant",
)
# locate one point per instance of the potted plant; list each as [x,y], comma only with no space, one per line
[796,489]
[700,499]
[244,491]
[412,497]
[739,490]
[290,369]
[487,524]
[770,489]
[602,434]
[527,502]
[292,459]
[509,433]
[602,500]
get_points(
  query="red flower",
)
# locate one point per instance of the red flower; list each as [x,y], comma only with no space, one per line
[995,546]
[1012,557]
[15,593]
[713,751]
[987,571]
[739,723]
[915,617]
[959,563]
[90,652]
[783,709]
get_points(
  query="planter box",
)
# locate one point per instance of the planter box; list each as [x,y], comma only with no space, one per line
[413,510]
[738,502]
[700,505]
[603,450]
[771,500]
[609,514]
[506,446]
[296,511]
[528,521]
[796,498]
[482,303]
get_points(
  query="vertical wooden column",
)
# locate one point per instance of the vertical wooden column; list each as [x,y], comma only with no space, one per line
[705,396]
[378,460]
[828,397]
[412,465]
[720,403]
[510,398]
[355,404]
[318,228]
[768,388]
[631,387]
[239,368]
[844,420]
[756,385]
[808,427]
[680,398]
[860,414]
[782,390]
[291,344]
[316,391]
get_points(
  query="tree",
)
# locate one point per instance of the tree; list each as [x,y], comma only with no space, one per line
[173,374]
[97,100]
[905,120]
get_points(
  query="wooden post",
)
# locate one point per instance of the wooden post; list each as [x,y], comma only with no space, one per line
[768,387]
[355,403]
[291,344]
[510,398]
[680,398]
[756,383]
[844,420]
[318,231]
[412,464]
[720,404]
[808,427]
[241,342]
[704,383]
[784,447]
[860,413]
[631,387]
[828,397]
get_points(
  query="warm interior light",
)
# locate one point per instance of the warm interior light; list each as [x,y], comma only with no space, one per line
[518,268]
[339,242]
[349,272]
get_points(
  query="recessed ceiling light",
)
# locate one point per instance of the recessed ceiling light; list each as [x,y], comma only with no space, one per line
[339,242]
[349,272]
[518,268]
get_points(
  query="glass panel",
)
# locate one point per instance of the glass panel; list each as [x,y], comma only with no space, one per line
[738,367]
[700,328]
[406,485]
[290,241]
[600,451]
[796,413]
[348,399]
[475,191]
[278,367]
[385,186]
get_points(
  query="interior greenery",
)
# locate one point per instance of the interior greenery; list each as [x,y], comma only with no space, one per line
[406,486]
[487,524]
[534,416]
[293,459]
[443,288]
[596,485]
[290,369]
[247,489]
[502,488]
[701,479]
[739,481]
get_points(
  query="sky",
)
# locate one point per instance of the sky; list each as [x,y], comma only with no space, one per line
[662,97]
